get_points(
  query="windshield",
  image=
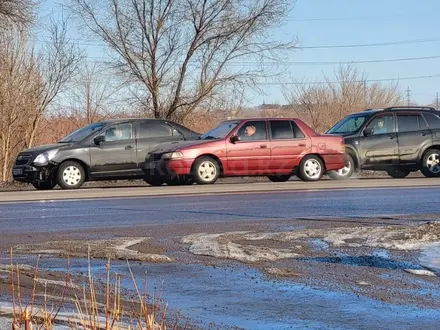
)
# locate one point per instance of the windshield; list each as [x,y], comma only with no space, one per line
[220,131]
[348,125]
[82,133]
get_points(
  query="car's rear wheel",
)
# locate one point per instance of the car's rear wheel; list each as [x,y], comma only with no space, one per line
[154,180]
[71,175]
[279,178]
[44,185]
[398,173]
[206,170]
[311,168]
[431,164]
[345,172]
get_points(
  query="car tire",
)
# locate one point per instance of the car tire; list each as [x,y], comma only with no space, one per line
[205,170]
[44,185]
[279,178]
[71,175]
[154,180]
[311,168]
[344,173]
[431,164]
[398,173]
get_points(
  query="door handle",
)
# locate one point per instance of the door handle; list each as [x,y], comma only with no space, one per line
[263,146]
[423,134]
[391,137]
[302,144]
[128,147]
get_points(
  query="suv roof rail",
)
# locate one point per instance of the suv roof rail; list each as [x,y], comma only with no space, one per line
[411,107]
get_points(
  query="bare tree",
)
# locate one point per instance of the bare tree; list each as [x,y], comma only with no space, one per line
[91,96]
[183,53]
[322,105]
[16,12]
[58,63]
[19,86]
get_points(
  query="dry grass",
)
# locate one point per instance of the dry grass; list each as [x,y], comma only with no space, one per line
[86,307]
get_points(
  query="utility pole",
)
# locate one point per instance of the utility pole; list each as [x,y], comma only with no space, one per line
[408,96]
[436,100]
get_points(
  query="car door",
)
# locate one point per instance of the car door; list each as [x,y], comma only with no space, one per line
[288,145]
[251,154]
[413,136]
[116,154]
[380,147]
[149,134]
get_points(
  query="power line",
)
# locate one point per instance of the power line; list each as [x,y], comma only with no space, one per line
[253,63]
[388,43]
[356,81]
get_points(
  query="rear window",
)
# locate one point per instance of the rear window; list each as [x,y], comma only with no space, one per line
[432,119]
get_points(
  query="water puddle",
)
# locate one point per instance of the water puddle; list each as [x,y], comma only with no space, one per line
[430,257]
[238,296]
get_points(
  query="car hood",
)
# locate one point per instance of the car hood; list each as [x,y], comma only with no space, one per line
[46,147]
[174,145]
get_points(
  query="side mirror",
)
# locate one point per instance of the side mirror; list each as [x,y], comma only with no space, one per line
[368,131]
[234,138]
[99,139]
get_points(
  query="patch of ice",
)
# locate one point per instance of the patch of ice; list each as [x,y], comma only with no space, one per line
[222,246]
[421,272]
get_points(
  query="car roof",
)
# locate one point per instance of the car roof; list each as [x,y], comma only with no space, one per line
[393,109]
[261,118]
[118,120]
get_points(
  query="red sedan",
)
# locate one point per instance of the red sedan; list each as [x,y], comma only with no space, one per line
[273,147]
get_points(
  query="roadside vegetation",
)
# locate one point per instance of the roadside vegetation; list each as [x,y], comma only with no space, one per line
[92,304]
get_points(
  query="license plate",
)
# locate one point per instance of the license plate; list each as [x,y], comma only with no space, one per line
[17,171]
[150,165]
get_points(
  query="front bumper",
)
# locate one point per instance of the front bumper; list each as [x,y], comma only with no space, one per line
[167,167]
[25,173]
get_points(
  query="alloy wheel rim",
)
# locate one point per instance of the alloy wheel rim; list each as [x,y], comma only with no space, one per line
[71,175]
[433,163]
[207,171]
[312,168]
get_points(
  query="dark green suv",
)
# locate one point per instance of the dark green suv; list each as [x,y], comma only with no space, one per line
[398,140]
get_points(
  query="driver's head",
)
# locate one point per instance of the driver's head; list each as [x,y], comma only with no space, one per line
[380,123]
[250,130]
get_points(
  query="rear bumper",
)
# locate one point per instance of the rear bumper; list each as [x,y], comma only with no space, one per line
[335,162]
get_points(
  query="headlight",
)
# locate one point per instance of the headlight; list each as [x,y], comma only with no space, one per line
[173,155]
[45,157]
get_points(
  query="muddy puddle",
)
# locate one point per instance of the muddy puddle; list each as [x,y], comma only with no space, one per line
[235,296]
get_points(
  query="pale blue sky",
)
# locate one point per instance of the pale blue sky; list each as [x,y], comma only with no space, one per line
[343,22]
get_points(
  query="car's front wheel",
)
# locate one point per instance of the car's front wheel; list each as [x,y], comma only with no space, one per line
[311,168]
[71,175]
[154,180]
[206,170]
[345,172]
[431,164]
[44,185]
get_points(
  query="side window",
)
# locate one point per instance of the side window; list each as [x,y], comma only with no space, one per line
[410,123]
[154,130]
[119,133]
[297,131]
[253,131]
[432,119]
[382,124]
[281,129]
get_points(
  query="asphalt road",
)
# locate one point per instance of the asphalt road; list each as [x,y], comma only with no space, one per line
[261,187]
[58,216]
